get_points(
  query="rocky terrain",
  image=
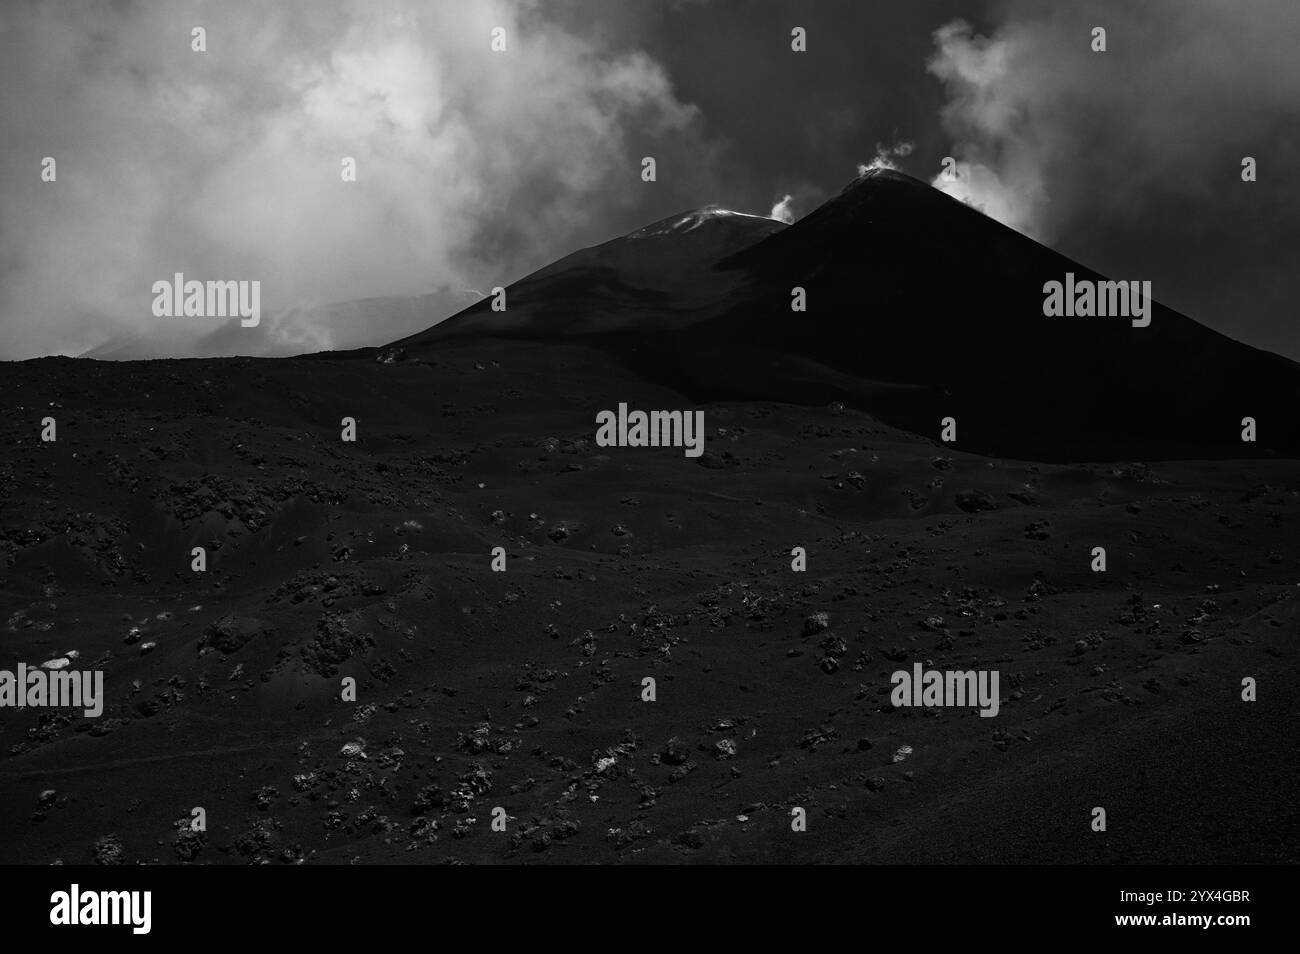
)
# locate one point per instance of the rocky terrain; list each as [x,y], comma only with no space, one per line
[523,689]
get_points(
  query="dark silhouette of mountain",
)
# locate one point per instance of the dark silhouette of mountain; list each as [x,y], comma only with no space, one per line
[918,308]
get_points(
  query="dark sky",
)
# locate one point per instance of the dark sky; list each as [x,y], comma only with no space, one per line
[476,167]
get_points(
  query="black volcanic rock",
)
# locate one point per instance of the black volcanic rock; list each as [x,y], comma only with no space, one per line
[524,689]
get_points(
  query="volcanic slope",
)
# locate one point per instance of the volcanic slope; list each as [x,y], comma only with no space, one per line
[660,277]
[918,308]
[523,689]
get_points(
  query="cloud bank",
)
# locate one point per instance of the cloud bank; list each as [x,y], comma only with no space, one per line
[473,166]
[1048,132]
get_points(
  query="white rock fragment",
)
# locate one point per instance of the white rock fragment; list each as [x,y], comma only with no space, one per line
[352,750]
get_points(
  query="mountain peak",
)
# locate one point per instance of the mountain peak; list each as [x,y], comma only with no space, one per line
[883,174]
[691,220]
[886,185]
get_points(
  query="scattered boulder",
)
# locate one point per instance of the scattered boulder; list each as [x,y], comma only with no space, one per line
[676,752]
[109,851]
[816,623]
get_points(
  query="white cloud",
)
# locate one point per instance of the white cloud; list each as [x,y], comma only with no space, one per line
[885,156]
[473,166]
[1046,132]
[783,211]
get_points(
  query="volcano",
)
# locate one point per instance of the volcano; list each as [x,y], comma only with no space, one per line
[918,308]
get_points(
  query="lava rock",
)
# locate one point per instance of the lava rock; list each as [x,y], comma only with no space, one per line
[975,501]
